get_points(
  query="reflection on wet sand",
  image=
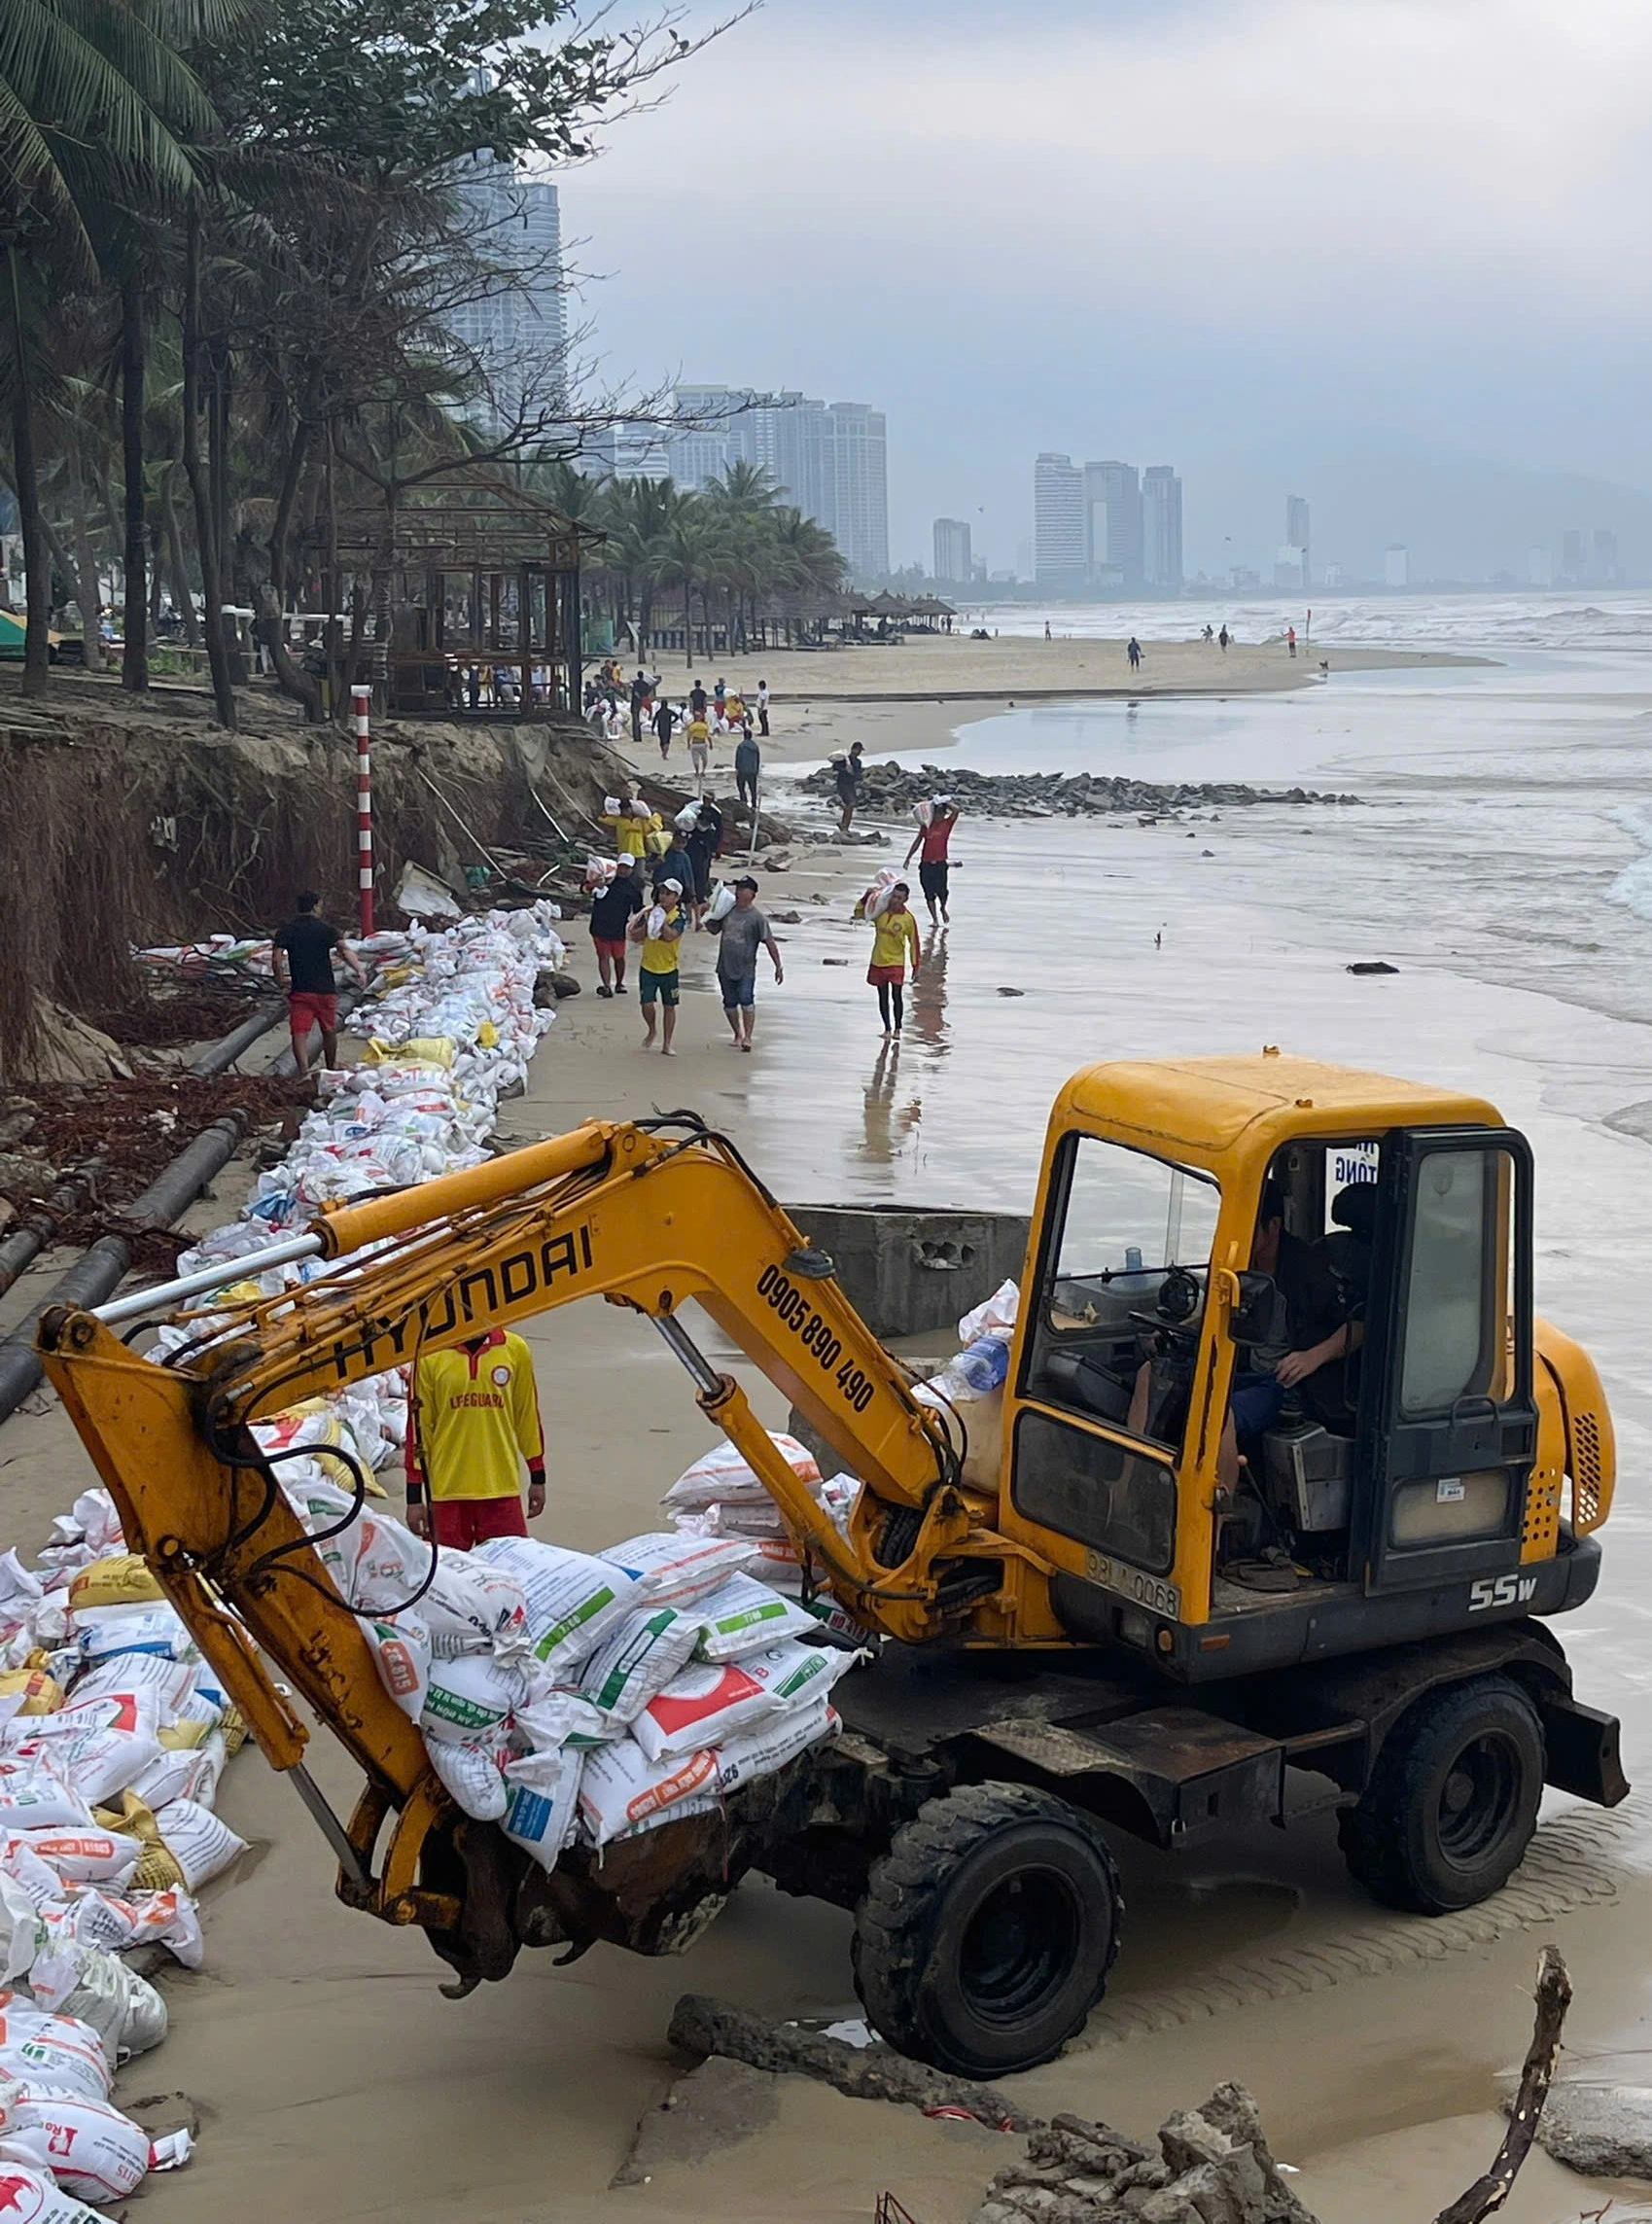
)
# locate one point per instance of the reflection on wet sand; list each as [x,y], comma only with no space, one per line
[926,998]
[888,1129]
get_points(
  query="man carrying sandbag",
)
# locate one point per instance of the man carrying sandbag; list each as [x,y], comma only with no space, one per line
[473,1419]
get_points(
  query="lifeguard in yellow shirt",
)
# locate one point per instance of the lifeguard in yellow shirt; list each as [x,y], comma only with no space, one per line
[473,1424]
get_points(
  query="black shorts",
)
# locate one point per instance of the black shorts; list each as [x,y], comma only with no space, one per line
[931,879]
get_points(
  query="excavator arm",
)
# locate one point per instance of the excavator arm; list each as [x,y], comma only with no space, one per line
[647,1215]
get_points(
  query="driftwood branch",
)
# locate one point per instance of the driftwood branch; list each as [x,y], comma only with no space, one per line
[1488,2193]
[702,2026]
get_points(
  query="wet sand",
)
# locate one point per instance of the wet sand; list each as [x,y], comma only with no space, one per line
[334,2081]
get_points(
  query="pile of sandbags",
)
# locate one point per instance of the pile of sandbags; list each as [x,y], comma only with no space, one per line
[722,1496]
[570,1695]
[114,1734]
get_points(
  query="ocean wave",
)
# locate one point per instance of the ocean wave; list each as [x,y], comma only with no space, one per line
[1632,887]
[1466,622]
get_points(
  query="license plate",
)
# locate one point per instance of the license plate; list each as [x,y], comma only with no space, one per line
[1151,1591]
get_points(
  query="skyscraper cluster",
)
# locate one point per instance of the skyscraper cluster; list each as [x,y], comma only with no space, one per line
[1106,527]
[829,458]
[517,333]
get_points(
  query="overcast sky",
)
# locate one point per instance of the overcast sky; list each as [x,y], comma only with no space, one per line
[1244,236]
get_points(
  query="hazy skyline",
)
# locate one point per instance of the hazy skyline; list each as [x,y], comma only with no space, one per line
[1249,237]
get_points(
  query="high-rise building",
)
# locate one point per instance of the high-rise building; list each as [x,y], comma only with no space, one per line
[1573,564]
[1296,532]
[829,461]
[951,552]
[1161,529]
[517,333]
[1060,543]
[859,519]
[1112,526]
[1604,552]
[1396,565]
[1290,569]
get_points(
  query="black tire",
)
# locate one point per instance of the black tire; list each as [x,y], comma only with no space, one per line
[1451,1803]
[986,1931]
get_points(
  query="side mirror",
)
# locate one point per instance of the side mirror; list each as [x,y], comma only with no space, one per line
[1259,1317]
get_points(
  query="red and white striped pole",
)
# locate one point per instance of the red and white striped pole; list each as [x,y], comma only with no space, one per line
[361,698]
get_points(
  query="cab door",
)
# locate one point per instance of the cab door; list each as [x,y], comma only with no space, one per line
[1448,1421]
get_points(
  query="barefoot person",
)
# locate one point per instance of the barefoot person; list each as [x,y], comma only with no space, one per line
[303,955]
[895,945]
[929,845]
[659,930]
[744,933]
[849,776]
[612,909]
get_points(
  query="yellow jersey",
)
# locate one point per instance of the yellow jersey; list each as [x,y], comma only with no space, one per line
[630,835]
[478,1419]
[700,733]
[895,939]
[659,956]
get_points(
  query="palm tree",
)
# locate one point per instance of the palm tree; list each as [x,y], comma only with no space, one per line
[685,556]
[96,101]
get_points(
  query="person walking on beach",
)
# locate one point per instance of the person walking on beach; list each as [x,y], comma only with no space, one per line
[895,946]
[719,700]
[748,765]
[612,909]
[1290,639]
[697,700]
[744,933]
[666,726]
[301,953]
[850,775]
[763,708]
[699,747]
[929,846]
[640,693]
[705,839]
[1134,653]
[474,1425]
[631,831]
[1224,637]
[678,865]
[660,931]
[1209,632]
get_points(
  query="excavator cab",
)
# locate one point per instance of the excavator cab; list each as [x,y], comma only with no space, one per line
[1279,1390]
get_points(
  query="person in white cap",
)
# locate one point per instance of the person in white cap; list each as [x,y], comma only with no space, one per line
[929,845]
[659,930]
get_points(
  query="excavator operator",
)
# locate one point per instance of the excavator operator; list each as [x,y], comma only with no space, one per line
[1319,1336]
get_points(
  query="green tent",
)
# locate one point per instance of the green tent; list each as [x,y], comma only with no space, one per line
[10,634]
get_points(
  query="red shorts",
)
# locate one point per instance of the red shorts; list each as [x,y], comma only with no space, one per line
[886,976]
[460,1523]
[306,1007]
[607,949]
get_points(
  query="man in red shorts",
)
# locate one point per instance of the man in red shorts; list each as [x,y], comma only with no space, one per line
[302,951]
[473,1419]
[612,909]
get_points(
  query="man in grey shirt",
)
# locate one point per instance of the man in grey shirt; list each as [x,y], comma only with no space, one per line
[743,932]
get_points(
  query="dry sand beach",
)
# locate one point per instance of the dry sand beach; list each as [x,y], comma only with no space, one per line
[333,2081]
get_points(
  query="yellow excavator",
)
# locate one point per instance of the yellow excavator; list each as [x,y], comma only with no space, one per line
[1188,1588]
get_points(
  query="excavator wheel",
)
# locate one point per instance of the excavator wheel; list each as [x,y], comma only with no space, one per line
[1451,1803]
[988,1929]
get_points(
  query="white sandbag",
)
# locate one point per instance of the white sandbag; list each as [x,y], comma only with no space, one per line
[542,1801]
[168,1682]
[706,1704]
[995,1316]
[722,1473]
[31,2198]
[745,1616]
[924,812]
[156,1627]
[84,1857]
[641,1658]
[674,1570]
[721,903]
[19,1590]
[166,1778]
[105,1919]
[54,2053]
[89,2147]
[877,897]
[134,1711]
[127,2012]
[554,1719]
[472,1774]
[768,1746]
[391,1565]
[97,1765]
[473,1608]
[573,1601]
[402,1653]
[201,1843]
[35,1796]
[471,1696]
[23,1935]
[28,1870]
[620,1789]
